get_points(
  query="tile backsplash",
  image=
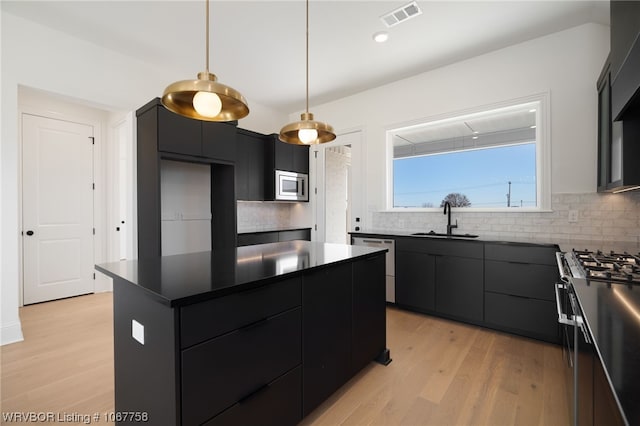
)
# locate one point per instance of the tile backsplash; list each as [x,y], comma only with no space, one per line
[263,216]
[600,217]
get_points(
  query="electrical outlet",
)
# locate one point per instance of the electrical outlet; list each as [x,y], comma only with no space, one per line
[137,331]
[573,216]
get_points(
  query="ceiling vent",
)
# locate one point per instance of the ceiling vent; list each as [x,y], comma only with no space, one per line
[401,14]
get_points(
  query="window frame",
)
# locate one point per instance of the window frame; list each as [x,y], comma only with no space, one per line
[543,153]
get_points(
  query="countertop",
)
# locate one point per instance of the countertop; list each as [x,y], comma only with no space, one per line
[188,278]
[563,243]
[612,314]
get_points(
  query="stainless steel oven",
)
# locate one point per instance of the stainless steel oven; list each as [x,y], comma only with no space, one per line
[291,186]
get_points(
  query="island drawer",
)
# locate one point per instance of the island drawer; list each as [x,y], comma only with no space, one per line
[541,255]
[520,279]
[281,399]
[206,320]
[219,373]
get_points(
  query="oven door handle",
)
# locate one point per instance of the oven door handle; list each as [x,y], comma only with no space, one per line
[561,270]
[562,317]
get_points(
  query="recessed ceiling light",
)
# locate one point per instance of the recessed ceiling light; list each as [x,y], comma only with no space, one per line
[532,127]
[381,36]
[474,137]
[532,110]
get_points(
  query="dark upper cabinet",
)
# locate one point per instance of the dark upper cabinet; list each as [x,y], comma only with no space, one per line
[186,136]
[250,166]
[625,56]
[284,156]
[219,140]
[177,134]
[165,135]
[618,141]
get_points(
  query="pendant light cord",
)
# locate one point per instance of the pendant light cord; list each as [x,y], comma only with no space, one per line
[307,56]
[206,43]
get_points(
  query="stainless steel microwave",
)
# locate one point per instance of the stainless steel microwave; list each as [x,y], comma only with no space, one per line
[291,186]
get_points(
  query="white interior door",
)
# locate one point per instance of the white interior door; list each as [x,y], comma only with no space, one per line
[57,209]
[335,216]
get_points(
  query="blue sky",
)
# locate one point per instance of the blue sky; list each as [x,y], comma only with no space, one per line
[482,175]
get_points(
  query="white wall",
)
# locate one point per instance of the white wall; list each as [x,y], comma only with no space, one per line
[566,64]
[38,57]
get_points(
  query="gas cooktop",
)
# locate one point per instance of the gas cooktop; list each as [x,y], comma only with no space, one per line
[612,266]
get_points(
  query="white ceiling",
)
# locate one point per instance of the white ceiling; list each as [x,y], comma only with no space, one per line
[258,47]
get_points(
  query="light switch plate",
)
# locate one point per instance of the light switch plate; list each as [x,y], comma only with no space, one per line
[137,331]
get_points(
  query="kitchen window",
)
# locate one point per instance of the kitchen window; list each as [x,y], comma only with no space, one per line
[494,159]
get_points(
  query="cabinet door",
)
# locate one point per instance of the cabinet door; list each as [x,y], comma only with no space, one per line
[300,159]
[459,287]
[415,280]
[283,155]
[219,140]
[369,311]
[250,167]
[178,134]
[327,333]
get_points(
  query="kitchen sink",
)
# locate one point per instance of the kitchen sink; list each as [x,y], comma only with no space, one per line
[435,234]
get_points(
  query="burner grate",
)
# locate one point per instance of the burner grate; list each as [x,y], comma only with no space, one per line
[612,266]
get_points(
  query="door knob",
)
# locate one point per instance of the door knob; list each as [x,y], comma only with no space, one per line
[29,233]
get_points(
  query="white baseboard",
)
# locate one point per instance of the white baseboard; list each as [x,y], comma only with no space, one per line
[11,333]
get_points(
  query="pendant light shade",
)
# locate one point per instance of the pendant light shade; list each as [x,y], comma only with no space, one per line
[205,99]
[307,131]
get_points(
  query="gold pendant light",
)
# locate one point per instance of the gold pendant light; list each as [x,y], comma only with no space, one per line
[205,99]
[307,131]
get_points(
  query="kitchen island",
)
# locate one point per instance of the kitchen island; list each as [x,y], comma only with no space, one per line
[256,334]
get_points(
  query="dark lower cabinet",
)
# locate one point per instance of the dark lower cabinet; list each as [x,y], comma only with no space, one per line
[245,361]
[522,315]
[327,333]
[281,399]
[368,322]
[267,355]
[459,287]
[415,280]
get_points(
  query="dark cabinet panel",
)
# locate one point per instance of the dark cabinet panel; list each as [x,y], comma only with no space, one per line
[277,404]
[369,311]
[541,255]
[250,166]
[229,369]
[532,317]
[442,246]
[203,321]
[459,287]
[521,279]
[327,333]
[283,155]
[415,280]
[625,56]
[178,134]
[219,141]
[257,238]
[148,181]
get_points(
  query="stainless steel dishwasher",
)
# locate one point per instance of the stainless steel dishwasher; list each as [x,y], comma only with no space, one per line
[389,258]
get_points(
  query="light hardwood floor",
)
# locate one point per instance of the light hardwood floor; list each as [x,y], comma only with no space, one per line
[443,372]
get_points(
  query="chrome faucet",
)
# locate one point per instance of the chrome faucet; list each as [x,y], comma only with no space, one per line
[449,225]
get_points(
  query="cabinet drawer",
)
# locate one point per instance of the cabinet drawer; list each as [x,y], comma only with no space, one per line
[203,321]
[521,279]
[540,255]
[278,404]
[443,247]
[219,373]
[530,317]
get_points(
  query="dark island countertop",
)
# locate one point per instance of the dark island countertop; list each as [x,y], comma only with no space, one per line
[188,278]
[612,315]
